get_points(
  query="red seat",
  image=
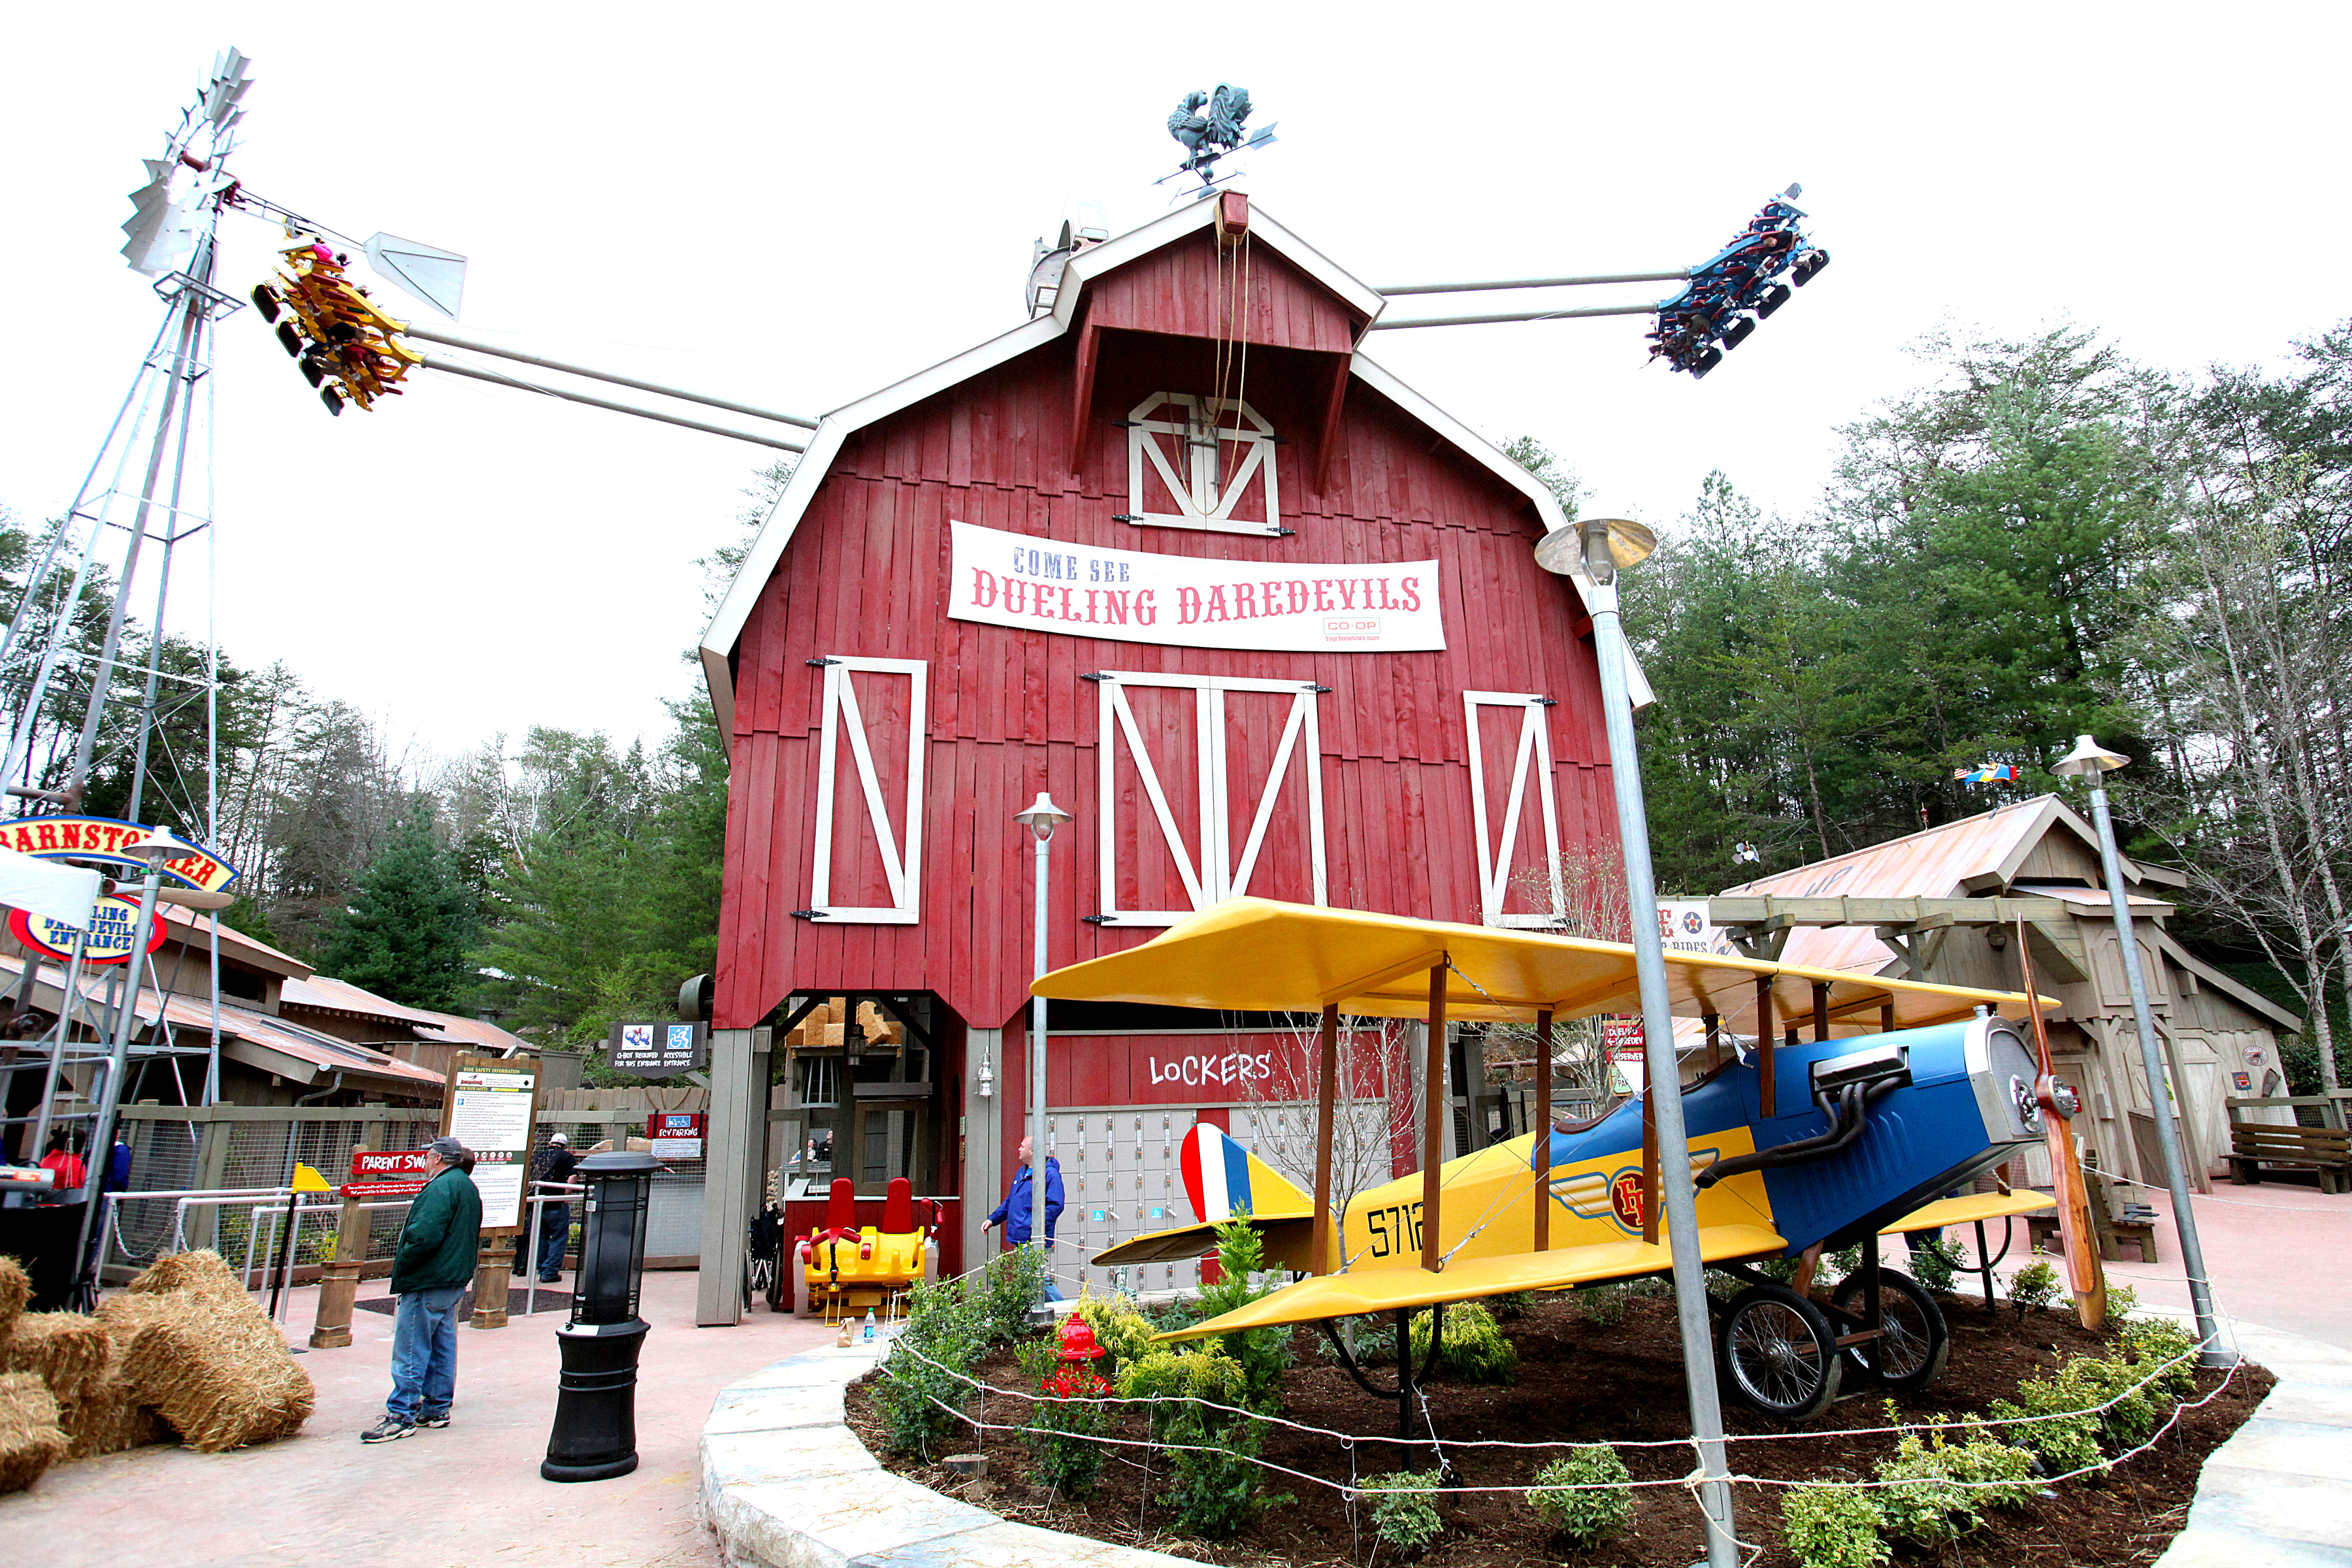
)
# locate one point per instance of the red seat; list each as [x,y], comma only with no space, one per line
[841,1209]
[898,1207]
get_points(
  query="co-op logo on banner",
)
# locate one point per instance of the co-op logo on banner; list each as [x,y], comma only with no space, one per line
[82,839]
[1183,601]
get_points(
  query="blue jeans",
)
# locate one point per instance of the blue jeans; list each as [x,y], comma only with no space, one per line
[425,1354]
[555,1239]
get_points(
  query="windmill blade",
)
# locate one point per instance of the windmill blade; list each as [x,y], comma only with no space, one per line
[160,228]
[436,276]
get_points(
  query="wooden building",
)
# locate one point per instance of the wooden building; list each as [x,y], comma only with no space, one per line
[1264,618]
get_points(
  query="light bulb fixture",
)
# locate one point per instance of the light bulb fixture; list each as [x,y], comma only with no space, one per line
[1042,817]
[2088,758]
[1598,547]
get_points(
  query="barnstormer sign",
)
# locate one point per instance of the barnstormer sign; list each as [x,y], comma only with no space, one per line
[102,838]
[1181,601]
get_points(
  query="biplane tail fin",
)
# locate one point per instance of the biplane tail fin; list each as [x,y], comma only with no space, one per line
[1223,1179]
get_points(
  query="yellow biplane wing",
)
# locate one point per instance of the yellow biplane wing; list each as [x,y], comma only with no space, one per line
[1969,1206]
[1286,1239]
[1395,1290]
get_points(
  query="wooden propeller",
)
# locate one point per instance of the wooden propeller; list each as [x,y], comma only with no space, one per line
[2079,1239]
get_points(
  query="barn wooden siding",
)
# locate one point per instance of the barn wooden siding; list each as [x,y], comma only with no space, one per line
[1008,712]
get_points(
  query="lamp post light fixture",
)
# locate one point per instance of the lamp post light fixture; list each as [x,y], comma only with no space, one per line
[2091,763]
[1598,548]
[1040,818]
[595,1433]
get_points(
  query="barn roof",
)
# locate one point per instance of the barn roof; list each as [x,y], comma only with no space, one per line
[767,547]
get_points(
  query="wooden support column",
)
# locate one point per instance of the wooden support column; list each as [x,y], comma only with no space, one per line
[1433,1132]
[1765,1089]
[338,1281]
[1886,1016]
[1543,1131]
[1326,1098]
[1649,1158]
[1714,1041]
[1820,1010]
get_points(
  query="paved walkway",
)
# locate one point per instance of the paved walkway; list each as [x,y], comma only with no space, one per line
[468,1494]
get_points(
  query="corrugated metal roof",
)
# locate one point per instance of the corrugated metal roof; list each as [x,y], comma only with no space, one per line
[451,1029]
[190,927]
[331,994]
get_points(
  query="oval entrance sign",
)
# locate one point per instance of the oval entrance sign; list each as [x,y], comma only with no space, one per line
[109,932]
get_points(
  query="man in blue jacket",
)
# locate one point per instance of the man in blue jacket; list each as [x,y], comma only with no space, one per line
[440,1248]
[1014,1213]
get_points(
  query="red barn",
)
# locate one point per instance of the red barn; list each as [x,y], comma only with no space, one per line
[1175,552]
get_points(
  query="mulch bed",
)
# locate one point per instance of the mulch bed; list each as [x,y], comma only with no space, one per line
[1582,1383]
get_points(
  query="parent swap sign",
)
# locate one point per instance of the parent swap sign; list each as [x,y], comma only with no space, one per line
[1181,601]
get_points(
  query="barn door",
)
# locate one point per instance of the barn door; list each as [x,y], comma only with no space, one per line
[1209,788]
[868,865]
[1512,811]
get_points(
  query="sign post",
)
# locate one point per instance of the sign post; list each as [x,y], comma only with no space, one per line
[339,1279]
[491,1107]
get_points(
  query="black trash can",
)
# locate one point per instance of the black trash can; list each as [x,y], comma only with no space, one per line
[595,1434]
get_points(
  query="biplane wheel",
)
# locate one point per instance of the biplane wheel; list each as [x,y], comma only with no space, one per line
[1916,1343]
[1780,1354]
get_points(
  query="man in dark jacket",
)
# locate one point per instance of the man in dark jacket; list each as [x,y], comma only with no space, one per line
[554,1163]
[1016,1212]
[434,1263]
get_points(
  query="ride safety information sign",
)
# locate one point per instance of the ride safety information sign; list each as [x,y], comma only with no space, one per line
[1184,601]
[491,1109]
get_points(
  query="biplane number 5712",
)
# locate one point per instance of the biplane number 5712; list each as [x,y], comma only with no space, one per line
[1395,1229]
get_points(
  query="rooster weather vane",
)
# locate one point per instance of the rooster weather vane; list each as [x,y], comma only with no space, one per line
[1208,136]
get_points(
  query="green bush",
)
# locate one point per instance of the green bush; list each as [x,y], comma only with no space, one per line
[2073,1392]
[1062,1427]
[1474,1349]
[1928,1506]
[1124,1333]
[1933,1265]
[1591,1516]
[1374,1338]
[1404,1515]
[917,1398]
[1512,1305]
[1831,1527]
[2150,1342]
[2131,1415]
[1012,1283]
[2122,1302]
[2032,1287]
[1263,1354]
[1605,1305]
[1842,1263]
[1213,1485]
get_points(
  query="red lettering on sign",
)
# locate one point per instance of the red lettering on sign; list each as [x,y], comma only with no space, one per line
[983,587]
[1411,593]
[1626,1199]
[48,835]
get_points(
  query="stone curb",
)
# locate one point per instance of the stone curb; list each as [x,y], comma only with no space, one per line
[786,1484]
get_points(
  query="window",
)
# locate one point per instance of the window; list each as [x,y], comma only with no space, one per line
[1200,462]
[1252,821]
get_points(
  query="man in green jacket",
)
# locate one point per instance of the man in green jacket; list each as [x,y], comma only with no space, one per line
[438,1247]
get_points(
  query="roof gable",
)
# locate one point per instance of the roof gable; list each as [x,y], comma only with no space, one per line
[1980,854]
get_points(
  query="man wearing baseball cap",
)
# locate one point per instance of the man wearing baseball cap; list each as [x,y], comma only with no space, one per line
[430,1271]
[551,1167]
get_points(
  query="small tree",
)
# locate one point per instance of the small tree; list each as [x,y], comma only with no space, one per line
[410,921]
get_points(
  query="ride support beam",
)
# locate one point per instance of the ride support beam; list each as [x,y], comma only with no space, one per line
[1886,1016]
[1714,1041]
[1820,1010]
[1543,1131]
[1764,1023]
[1325,1097]
[1650,1159]
[1433,1131]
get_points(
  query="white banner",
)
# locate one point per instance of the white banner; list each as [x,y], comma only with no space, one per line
[1131,596]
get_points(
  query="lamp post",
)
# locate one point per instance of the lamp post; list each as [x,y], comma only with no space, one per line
[1598,547]
[1041,818]
[2090,763]
[595,1434]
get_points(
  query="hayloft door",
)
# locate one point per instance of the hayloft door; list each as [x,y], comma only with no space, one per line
[867,863]
[1512,810]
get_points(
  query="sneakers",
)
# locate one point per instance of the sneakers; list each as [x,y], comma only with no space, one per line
[391,1429]
[551,1278]
[435,1421]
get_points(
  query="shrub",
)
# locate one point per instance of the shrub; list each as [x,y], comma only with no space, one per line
[1406,1512]
[917,1398]
[1473,1349]
[1512,1305]
[2122,1302]
[1012,1283]
[1124,1333]
[1062,1429]
[1928,1506]
[2071,1442]
[1783,1270]
[1592,1515]
[1605,1304]
[1372,1336]
[1932,1264]
[1263,1354]
[2032,1287]
[2130,1413]
[2150,1342]
[1213,1482]
[1841,1263]
[1831,1527]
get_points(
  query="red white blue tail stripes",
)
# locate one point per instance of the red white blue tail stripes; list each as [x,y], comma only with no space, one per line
[1216,1173]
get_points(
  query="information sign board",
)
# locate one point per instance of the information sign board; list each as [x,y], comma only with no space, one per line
[659,1050]
[490,1107]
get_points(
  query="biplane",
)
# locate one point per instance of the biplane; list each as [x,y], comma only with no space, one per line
[1903,1094]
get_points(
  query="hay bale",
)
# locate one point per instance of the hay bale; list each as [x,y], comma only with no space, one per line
[30,1438]
[203,1271]
[15,1289]
[217,1371]
[66,1351]
[108,1420]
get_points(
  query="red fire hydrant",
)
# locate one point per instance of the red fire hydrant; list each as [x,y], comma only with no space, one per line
[1075,1377]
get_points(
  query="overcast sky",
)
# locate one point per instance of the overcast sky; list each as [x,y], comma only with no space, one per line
[792,208]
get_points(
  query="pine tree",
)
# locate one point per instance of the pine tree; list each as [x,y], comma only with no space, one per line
[410,923]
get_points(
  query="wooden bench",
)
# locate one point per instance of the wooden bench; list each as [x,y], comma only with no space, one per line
[2326,1148]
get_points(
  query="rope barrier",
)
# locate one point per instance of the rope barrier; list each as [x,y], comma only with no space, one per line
[2228,1203]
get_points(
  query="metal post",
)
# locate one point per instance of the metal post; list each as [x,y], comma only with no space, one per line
[1037,1058]
[1543,1131]
[2176,1179]
[1658,1053]
[1326,1103]
[1434,1111]
[102,1137]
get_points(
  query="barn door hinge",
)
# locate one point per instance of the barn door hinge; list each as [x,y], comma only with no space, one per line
[808,914]
[1549,701]
[1284,532]
[1312,687]
[1097,675]
[1125,517]
[820,663]
[1094,920]
[1127,424]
